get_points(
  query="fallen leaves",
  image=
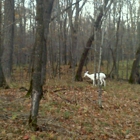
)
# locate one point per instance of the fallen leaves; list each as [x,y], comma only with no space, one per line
[73,113]
[26,137]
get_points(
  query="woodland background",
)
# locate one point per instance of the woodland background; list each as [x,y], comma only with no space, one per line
[120,42]
[45,48]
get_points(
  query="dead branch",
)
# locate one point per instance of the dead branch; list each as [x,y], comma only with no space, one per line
[67,100]
[57,90]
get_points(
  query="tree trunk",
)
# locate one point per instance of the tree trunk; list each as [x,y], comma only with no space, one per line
[37,67]
[78,76]
[48,5]
[8,39]
[65,40]
[134,76]
[2,79]
[114,70]
[73,34]
[134,72]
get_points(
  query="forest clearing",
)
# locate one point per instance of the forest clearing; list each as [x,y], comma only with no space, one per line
[70,111]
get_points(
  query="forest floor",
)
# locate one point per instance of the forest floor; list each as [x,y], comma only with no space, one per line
[70,111]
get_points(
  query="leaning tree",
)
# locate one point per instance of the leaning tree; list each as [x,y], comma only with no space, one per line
[97,25]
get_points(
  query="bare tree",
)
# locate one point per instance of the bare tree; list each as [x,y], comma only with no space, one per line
[134,76]
[100,58]
[36,82]
[37,66]
[65,39]
[74,26]
[8,39]
[2,78]
[47,9]
[114,70]
[48,5]
[97,24]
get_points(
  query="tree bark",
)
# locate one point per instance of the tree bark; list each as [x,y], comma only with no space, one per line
[2,79]
[134,76]
[73,32]
[114,70]
[47,9]
[37,67]
[8,39]
[134,72]
[48,5]
[65,41]
[78,76]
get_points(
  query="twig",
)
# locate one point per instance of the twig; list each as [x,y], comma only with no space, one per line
[57,90]
[90,99]
[64,10]
[67,100]
[57,128]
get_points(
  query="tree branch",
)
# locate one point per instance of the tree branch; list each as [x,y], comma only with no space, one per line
[64,10]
